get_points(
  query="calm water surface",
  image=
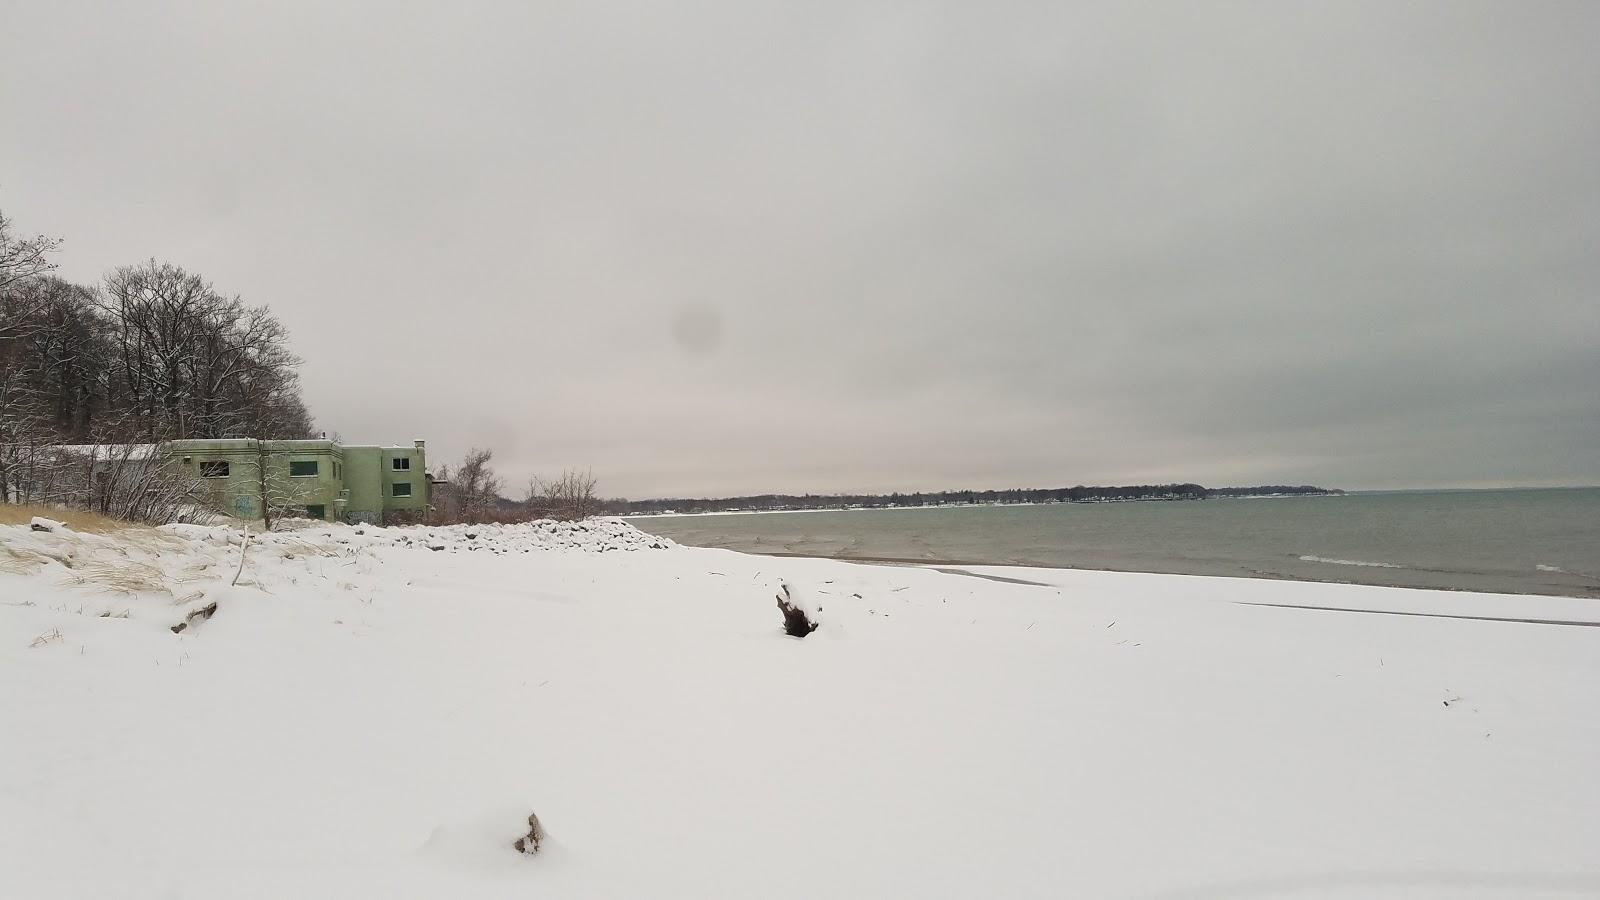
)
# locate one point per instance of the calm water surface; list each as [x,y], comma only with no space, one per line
[1510,541]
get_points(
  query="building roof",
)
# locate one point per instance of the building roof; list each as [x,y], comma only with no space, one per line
[109,451]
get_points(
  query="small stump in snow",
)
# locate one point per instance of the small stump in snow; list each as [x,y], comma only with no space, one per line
[795,621]
[529,843]
[195,617]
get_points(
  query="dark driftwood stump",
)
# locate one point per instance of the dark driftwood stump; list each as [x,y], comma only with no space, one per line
[530,842]
[795,621]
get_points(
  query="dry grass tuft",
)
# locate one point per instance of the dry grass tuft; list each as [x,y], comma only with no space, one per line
[16,562]
[76,519]
[143,537]
[291,547]
[25,561]
[127,577]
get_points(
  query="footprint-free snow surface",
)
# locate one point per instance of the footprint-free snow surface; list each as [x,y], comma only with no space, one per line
[375,712]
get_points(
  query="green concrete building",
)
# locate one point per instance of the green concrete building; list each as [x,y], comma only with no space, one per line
[312,479]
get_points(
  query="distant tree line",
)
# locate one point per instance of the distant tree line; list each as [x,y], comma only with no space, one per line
[1078,494]
[1270,490]
[151,353]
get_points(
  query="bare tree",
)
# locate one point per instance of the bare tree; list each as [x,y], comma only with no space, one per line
[139,483]
[23,258]
[569,497]
[87,377]
[62,350]
[191,362]
[29,471]
[276,493]
[444,498]
[133,482]
[23,419]
[159,343]
[477,485]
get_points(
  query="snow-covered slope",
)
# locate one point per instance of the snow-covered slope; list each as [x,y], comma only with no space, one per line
[374,713]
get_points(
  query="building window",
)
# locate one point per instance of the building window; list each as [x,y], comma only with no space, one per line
[213,469]
[402,463]
[316,511]
[337,469]
[402,488]
[303,468]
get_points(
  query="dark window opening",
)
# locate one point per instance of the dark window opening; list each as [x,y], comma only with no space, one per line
[213,469]
[402,463]
[303,468]
[402,489]
[316,511]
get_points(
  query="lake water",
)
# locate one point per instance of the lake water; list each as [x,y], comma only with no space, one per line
[1507,541]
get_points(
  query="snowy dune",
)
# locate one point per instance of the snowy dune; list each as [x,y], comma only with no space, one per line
[374,712]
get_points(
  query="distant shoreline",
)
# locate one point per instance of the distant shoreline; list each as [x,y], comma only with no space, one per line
[1329,493]
[963,497]
[823,509]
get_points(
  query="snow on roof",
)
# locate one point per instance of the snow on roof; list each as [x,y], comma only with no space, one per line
[109,451]
[146,451]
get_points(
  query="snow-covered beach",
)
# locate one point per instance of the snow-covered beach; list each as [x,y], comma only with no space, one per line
[375,712]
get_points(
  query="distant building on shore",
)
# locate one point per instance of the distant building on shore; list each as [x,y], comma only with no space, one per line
[316,479]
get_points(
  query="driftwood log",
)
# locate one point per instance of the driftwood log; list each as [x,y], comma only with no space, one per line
[195,617]
[529,843]
[795,621]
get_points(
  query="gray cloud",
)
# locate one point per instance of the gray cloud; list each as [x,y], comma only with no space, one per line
[723,248]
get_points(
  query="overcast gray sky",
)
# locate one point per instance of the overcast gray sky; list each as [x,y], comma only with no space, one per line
[742,247]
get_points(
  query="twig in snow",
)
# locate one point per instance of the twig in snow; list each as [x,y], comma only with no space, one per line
[242,548]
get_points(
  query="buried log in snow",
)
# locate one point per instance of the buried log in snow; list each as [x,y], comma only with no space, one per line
[529,843]
[796,623]
[195,617]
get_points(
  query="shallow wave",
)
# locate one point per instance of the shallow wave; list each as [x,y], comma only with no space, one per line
[1350,562]
[1557,570]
